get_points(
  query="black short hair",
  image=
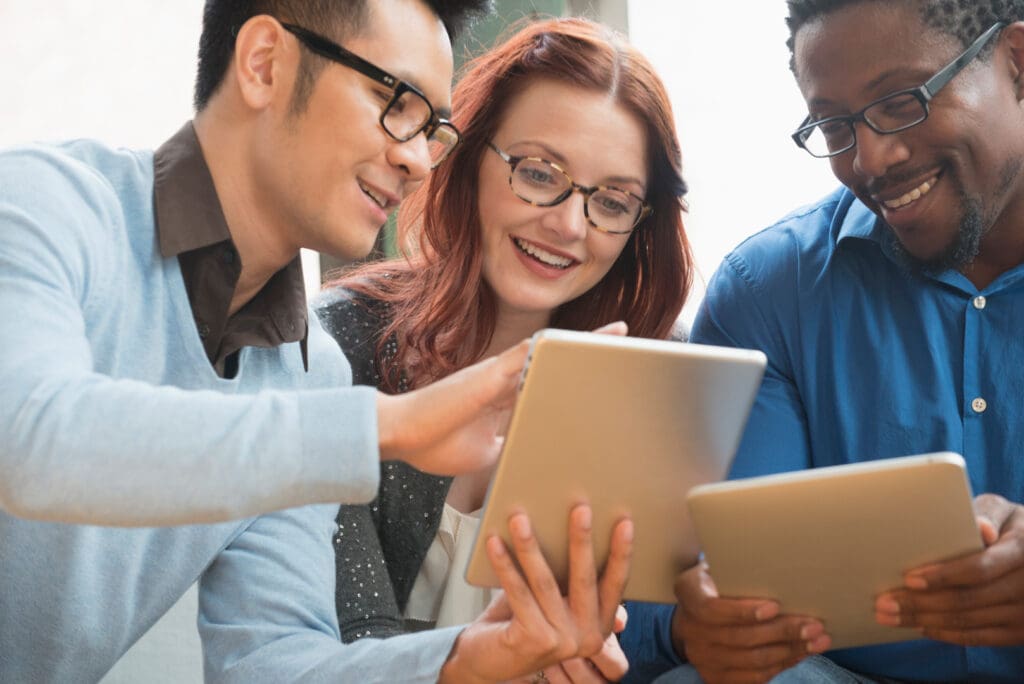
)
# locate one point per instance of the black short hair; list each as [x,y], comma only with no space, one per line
[336,18]
[962,19]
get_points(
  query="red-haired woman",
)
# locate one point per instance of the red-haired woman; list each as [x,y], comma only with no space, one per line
[561,207]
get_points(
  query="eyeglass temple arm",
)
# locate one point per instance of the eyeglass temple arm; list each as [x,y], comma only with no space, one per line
[936,82]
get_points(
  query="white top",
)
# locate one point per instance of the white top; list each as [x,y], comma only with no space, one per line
[441,597]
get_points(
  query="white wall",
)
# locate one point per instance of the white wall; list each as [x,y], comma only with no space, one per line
[736,103]
[117,70]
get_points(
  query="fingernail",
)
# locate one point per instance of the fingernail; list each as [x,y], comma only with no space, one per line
[885,604]
[519,524]
[811,631]
[584,517]
[887,619]
[627,530]
[915,582]
[819,645]
[497,546]
[766,612]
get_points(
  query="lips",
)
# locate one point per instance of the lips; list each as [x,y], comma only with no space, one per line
[381,198]
[542,255]
[911,195]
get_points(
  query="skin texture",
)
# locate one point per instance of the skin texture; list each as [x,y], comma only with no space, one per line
[597,142]
[532,626]
[970,141]
[971,144]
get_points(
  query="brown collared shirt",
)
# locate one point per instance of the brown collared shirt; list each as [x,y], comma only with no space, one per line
[191,226]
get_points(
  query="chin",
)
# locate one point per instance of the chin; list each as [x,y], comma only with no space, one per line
[959,253]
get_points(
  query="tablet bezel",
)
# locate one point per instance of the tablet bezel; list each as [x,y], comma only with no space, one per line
[825,542]
[659,416]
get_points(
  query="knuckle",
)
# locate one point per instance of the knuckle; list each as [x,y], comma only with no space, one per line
[590,644]
[742,635]
[547,644]
[546,584]
[567,647]
[963,600]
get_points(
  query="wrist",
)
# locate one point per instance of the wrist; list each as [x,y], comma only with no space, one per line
[676,633]
[385,421]
[456,668]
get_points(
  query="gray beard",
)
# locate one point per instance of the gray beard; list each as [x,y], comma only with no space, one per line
[958,256]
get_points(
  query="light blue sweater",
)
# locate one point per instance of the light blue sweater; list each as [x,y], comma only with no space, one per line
[111,414]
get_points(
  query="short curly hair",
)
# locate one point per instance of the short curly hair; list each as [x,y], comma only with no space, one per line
[962,19]
[338,18]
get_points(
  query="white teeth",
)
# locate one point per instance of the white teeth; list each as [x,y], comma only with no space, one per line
[379,200]
[915,194]
[543,256]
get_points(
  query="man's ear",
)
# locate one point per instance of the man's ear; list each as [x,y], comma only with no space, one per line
[1013,37]
[265,62]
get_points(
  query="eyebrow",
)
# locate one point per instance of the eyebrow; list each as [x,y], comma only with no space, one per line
[442,112]
[872,84]
[557,157]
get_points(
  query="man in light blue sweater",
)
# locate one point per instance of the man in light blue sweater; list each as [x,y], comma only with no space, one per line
[159,368]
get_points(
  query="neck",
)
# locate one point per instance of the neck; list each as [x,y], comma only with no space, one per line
[262,243]
[511,327]
[998,254]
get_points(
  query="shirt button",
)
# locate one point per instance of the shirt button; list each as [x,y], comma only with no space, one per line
[980,302]
[979,405]
[204,331]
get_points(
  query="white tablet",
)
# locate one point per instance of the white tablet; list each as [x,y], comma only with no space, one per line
[627,425]
[825,542]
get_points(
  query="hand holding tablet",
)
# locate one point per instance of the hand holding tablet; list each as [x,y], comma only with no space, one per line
[627,425]
[826,542]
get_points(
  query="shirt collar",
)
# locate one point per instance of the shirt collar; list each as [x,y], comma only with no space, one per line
[189,217]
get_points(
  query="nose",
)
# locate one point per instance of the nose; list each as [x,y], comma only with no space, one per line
[566,219]
[876,153]
[411,156]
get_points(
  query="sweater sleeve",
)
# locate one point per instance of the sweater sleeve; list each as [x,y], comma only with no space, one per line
[364,597]
[265,613]
[81,446]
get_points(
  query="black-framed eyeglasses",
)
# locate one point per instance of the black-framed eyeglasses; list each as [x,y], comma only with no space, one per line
[890,114]
[407,113]
[543,183]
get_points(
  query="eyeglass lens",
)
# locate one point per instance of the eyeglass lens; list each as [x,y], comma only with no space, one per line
[408,114]
[891,114]
[541,183]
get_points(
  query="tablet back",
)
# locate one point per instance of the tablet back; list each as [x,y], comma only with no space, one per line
[825,542]
[628,425]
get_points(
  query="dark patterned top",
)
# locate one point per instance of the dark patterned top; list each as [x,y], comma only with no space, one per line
[379,547]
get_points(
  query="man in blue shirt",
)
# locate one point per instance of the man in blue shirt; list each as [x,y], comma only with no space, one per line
[892,315]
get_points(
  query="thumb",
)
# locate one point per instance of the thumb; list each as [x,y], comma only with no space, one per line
[617,328]
[989,531]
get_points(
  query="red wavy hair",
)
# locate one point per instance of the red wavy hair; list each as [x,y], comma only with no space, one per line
[442,311]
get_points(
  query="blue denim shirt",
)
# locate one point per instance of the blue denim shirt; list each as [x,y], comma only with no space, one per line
[868,361]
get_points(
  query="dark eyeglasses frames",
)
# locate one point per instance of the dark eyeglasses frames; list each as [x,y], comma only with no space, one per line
[542,183]
[407,113]
[890,114]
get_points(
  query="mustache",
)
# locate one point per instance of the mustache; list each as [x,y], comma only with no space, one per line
[879,186]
